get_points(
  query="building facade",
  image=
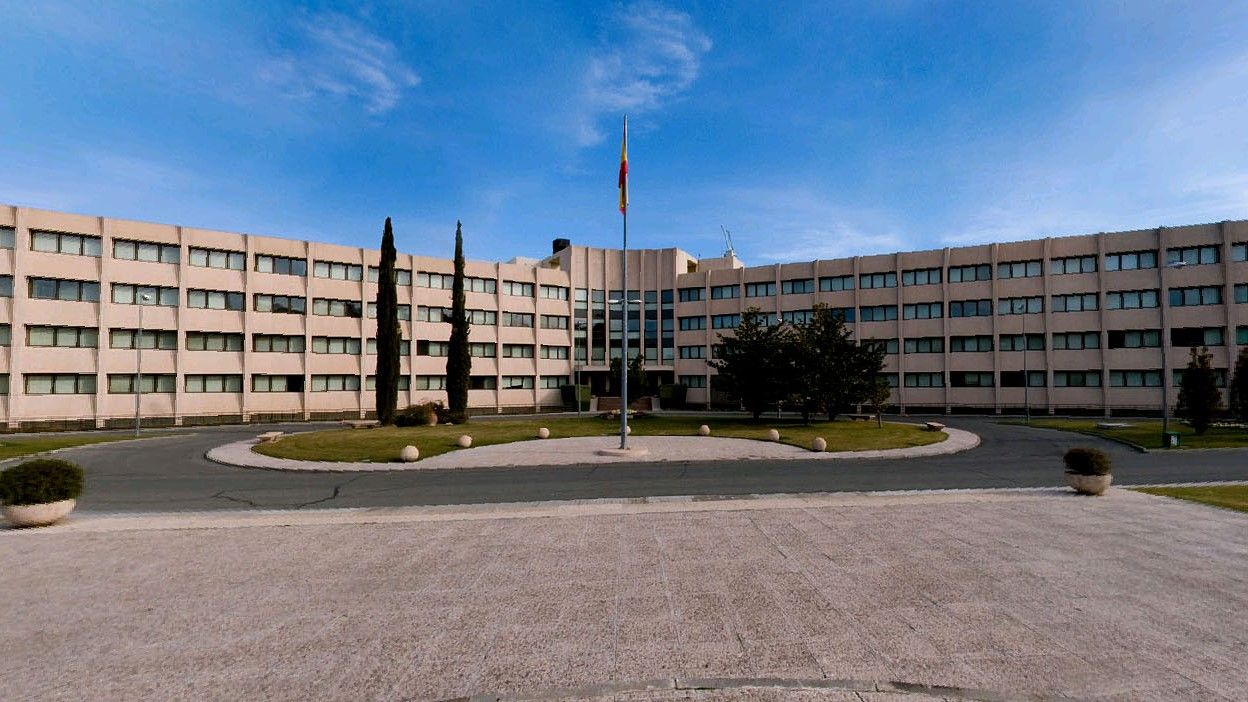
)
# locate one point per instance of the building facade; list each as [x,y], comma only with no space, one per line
[236,327]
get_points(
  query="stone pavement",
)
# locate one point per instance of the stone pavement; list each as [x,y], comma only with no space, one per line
[1018,593]
[583,451]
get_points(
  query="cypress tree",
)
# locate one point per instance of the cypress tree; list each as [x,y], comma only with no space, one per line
[1239,387]
[1199,397]
[458,361]
[388,334]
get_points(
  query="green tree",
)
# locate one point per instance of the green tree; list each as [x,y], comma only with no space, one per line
[829,372]
[878,396]
[638,379]
[754,362]
[458,359]
[1239,387]
[387,330]
[1199,397]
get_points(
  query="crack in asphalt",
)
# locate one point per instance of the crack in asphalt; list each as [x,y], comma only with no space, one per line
[337,490]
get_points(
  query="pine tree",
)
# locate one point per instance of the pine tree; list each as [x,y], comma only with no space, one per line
[1199,397]
[459,360]
[388,334]
[753,362]
[1239,387]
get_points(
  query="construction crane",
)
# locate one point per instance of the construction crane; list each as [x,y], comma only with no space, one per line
[729,250]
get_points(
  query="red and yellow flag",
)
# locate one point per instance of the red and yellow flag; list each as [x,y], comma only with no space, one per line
[624,171]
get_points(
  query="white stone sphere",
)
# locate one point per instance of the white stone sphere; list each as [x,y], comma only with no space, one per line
[773,435]
[704,430]
[543,433]
[465,441]
[628,429]
[819,444]
[409,454]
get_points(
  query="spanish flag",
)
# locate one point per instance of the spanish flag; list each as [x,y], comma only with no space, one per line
[624,171]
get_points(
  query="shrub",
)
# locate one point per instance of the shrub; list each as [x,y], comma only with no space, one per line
[1086,461]
[419,415]
[40,481]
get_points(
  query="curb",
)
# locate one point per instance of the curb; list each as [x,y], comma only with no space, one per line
[95,444]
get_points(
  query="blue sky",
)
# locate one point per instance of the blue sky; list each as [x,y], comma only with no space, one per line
[808,129]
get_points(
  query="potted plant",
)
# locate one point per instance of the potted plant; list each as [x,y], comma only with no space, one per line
[40,492]
[1088,470]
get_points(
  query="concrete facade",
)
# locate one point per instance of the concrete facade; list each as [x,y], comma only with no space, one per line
[1102,309]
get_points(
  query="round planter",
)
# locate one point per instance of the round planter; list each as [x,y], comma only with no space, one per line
[1089,484]
[38,515]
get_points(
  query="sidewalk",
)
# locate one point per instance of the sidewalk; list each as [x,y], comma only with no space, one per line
[1018,592]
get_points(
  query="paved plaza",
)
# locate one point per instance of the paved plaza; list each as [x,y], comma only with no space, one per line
[1030,592]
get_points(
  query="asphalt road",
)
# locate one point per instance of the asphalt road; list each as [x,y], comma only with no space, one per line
[171,474]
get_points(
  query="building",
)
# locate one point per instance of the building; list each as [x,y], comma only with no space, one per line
[239,327]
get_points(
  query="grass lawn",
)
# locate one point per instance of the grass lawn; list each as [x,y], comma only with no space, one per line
[384,443]
[12,448]
[1147,432]
[1228,496]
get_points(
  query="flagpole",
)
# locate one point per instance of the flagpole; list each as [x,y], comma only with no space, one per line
[624,305]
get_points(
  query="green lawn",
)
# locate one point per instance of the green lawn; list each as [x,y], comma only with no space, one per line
[1227,496]
[1147,432]
[12,448]
[384,443]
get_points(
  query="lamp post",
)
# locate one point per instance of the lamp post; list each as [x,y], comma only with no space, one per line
[577,365]
[1165,369]
[624,367]
[1026,377]
[143,299]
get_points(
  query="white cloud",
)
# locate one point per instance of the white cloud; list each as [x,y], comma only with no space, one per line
[653,54]
[341,58]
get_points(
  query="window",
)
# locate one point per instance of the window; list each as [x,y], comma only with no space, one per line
[879,313]
[214,383]
[482,349]
[1130,299]
[65,290]
[725,321]
[276,383]
[7,238]
[1020,305]
[1239,252]
[405,347]
[63,337]
[517,319]
[836,283]
[214,258]
[797,287]
[1076,341]
[889,345]
[924,310]
[1015,342]
[692,381]
[402,276]
[517,350]
[336,345]
[517,382]
[329,307]
[513,287]
[1130,260]
[214,300]
[925,380]
[554,382]
[1194,255]
[60,384]
[692,323]
[404,383]
[1241,335]
[146,251]
[1014,379]
[970,379]
[1241,293]
[1075,303]
[56,242]
[692,294]
[433,348]
[970,344]
[845,313]
[692,352]
[553,292]
[560,353]
[1219,377]
[1134,338]
[970,308]
[1020,269]
[1204,295]
[446,281]
[724,292]
[214,341]
[6,286]
[335,383]
[868,281]
[554,321]
[798,316]
[279,304]
[1135,378]
[1076,379]
[6,335]
[760,289]
[281,265]
[482,382]
[337,271]
[126,294]
[277,343]
[926,344]
[1073,264]
[123,383]
[921,276]
[403,312]
[967,274]
[1198,336]
[166,340]
[431,382]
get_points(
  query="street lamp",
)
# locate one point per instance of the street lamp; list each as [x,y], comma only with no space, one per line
[1026,377]
[1162,302]
[578,325]
[142,299]
[624,371]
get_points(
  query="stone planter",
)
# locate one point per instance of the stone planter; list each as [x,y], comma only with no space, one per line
[38,515]
[1089,484]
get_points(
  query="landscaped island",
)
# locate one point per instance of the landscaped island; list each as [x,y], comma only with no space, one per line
[1147,432]
[382,444]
